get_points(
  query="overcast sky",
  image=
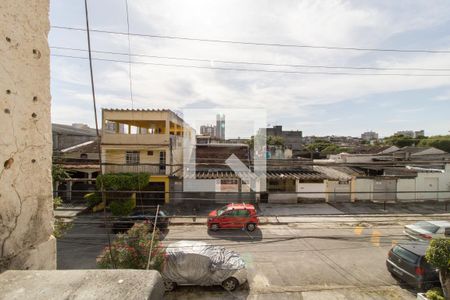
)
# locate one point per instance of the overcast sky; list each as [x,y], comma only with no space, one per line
[316,104]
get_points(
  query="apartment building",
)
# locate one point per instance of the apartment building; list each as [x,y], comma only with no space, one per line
[151,141]
[369,136]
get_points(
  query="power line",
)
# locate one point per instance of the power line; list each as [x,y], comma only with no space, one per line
[252,63]
[172,37]
[255,70]
[96,119]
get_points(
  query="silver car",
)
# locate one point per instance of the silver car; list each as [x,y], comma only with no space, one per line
[426,230]
[198,263]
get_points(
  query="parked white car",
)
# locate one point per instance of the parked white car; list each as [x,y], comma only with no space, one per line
[426,230]
[198,263]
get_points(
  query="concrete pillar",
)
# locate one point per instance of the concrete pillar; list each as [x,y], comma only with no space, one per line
[89,177]
[167,129]
[26,205]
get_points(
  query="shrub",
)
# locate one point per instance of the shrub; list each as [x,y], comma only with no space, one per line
[60,227]
[131,250]
[122,181]
[123,207]
[435,294]
[57,201]
[92,199]
[59,173]
[438,255]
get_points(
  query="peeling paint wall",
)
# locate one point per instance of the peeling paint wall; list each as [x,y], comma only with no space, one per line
[26,212]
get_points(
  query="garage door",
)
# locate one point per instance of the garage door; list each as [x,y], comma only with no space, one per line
[385,190]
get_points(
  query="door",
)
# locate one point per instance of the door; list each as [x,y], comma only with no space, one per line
[226,219]
[153,194]
[241,218]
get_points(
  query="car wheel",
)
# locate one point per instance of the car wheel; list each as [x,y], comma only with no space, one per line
[250,227]
[230,284]
[214,227]
[169,285]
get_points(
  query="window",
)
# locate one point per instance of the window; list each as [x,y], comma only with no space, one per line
[132,157]
[405,254]
[242,213]
[83,155]
[162,160]
[221,210]
[427,226]
[150,153]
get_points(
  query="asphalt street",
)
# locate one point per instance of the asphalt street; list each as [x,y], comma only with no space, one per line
[319,259]
[314,251]
[304,261]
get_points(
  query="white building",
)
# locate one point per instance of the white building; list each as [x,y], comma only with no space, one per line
[411,133]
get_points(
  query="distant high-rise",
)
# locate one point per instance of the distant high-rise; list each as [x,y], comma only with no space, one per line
[369,136]
[208,130]
[411,133]
[220,127]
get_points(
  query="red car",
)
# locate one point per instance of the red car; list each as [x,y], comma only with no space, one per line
[234,215]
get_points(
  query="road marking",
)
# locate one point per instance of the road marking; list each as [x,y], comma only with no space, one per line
[358,230]
[375,239]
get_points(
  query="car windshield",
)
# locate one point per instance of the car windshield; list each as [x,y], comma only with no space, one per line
[427,226]
[220,211]
[405,254]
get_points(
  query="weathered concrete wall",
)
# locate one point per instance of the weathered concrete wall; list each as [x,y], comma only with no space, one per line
[362,188]
[26,215]
[310,190]
[81,285]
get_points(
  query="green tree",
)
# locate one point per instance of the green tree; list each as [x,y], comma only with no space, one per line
[318,146]
[60,226]
[438,255]
[122,181]
[275,140]
[59,173]
[441,142]
[400,140]
[334,149]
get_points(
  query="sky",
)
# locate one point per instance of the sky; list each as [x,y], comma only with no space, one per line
[317,104]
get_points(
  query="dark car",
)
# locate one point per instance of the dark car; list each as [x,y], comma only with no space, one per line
[407,262]
[123,224]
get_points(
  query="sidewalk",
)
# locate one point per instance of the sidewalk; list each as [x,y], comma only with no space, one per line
[69,212]
[278,214]
[299,292]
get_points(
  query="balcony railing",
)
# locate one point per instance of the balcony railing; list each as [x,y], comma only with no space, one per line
[137,168]
[135,139]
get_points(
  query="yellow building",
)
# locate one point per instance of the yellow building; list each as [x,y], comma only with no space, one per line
[147,141]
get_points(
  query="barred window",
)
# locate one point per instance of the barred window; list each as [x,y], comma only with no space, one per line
[132,157]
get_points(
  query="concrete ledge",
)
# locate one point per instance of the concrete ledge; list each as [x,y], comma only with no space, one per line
[81,284]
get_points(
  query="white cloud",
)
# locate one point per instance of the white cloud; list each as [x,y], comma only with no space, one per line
[443,97]
[286,96]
